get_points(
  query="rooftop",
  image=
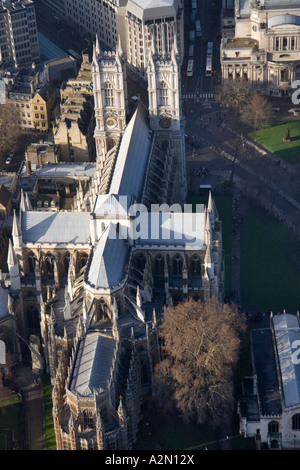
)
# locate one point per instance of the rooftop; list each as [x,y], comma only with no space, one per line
[151,9]
[287,333]
[266,371]
[66,170]
[55,227]
[239,43]
[107,268]
[93,362]
[132,159]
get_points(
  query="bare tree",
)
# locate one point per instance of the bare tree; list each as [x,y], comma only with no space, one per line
[233,94]
[256,111]
[201,345]
[9,129]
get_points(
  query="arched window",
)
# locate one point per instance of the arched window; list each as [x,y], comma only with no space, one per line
[195,266]
[296,421]
[83,260]
[31,262]
[87,419]
[110,144]
[49,263]
[273,427]
[159,265]
[67,262]
[141,261]
[177,264]
[32,315]
[109,98]
[163,94]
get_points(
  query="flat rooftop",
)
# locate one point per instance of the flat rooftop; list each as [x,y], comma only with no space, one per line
[238,43]
[152,9]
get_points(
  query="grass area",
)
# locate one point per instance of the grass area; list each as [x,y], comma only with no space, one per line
[170,432]
[224,206]
[10,412]
[270,270]
[272,139]
[50,443]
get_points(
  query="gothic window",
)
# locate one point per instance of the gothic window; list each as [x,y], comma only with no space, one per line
[49,264]
[273,427]
[67,262]
[32,315]
[31,262]
[177,264]
[195,266]
[109,94]
[110,144]
[296,421]
[83,260]
[159,265]
[141,261]
[163,94]
[88,420]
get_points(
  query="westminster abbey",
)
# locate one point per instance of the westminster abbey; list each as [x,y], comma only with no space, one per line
[96,292]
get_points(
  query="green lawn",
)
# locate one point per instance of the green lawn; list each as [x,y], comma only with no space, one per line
[10,409]
[270,268]
[272,139]
[50,443]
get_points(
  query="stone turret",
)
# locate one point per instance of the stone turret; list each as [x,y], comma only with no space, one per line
[13,268]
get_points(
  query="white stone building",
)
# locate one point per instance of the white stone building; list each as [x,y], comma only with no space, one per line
[261,44]
[269,408]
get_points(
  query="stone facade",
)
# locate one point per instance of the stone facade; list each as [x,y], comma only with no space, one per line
[94,296]
[260,45]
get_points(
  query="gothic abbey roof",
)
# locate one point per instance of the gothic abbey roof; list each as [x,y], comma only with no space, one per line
[168,229]
[133,155]
[112,205]
[93,363]
[108,261]
[55,227]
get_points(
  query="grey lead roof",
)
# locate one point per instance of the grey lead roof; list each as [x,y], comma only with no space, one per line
[108,260]
[92,365]
[131,164]
[287,331]
[266,371]
[283,19]
[55,227]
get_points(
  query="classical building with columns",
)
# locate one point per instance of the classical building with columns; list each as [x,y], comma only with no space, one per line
[261,44]
[93,282]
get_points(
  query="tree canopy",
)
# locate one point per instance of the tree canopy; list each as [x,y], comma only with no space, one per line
[253,108]
[10,131]
[201,344]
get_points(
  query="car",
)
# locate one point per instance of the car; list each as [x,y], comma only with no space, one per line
[8,160]
[4,169]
